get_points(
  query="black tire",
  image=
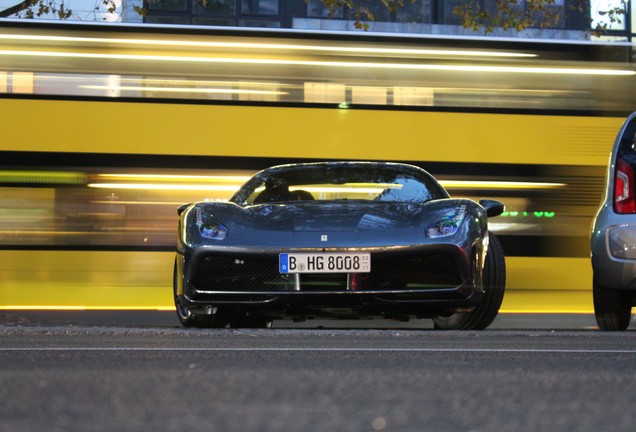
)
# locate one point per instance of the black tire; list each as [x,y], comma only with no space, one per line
[612,308]
[494,283]
[189,319]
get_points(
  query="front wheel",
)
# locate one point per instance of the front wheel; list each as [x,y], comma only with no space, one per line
[494,284]
[612,308]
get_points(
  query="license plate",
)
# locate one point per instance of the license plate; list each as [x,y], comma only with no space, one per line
[352,262]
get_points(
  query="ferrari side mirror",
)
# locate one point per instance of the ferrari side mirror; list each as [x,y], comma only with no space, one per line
[182,208]
[493,207]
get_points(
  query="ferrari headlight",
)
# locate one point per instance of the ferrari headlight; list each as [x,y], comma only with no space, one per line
[213,231]
[448,222]
[209,227]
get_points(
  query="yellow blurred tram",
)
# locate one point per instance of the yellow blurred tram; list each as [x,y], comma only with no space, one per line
[107,129]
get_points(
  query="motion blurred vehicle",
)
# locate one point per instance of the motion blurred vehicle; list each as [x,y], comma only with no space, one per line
[339,240]
[613,242]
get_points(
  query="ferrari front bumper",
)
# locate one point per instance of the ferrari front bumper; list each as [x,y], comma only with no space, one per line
[403,280]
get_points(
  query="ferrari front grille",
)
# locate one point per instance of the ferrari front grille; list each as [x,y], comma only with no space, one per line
[233,274]
[414,272]
[216,273]
[323,282]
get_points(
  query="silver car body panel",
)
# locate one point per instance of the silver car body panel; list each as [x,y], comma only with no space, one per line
[613,237]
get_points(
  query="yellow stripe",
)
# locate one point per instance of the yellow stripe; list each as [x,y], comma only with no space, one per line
[545,274]
[305,132]
[547,301]
[83,308]
[143,281]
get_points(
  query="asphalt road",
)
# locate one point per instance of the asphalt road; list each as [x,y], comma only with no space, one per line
[132,377]
[168,319]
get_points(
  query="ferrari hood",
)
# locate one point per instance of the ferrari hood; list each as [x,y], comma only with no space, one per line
[316,223]
[346,216]
[322,216]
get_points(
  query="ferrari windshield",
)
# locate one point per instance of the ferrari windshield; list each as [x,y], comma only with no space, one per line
[340,181]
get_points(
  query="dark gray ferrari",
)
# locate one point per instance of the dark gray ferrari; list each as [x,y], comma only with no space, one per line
[339,240]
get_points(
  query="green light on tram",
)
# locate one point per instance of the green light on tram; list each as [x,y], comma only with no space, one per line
[526,214]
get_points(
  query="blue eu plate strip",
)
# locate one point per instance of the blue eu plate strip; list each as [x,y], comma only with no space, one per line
[283,263]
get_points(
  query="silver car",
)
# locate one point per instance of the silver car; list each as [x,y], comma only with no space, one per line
[613,240]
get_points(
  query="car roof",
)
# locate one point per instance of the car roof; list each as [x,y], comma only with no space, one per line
[335,164]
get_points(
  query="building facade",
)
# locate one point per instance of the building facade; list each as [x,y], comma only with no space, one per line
[429,17]
[435,17]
